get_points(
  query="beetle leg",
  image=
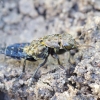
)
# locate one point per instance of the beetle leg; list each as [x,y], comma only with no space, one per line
[23,70]
[40,66]
[24,64]
[38,69]
[56,57]
[5,51]
[32,78]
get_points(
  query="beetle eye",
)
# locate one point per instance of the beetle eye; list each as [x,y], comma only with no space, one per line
[68,46]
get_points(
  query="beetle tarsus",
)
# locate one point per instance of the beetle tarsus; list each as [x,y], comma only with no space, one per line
[21,75]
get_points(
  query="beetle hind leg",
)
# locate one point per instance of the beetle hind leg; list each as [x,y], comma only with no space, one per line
[23,69]
[24,64]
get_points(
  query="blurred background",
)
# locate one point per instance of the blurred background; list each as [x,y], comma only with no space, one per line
[25,20]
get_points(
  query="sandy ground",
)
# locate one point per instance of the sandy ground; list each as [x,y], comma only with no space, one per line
[22,21]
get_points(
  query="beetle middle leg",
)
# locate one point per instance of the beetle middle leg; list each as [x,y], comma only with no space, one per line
[42,64]
[56,57]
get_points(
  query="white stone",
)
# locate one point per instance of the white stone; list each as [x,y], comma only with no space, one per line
[27,7]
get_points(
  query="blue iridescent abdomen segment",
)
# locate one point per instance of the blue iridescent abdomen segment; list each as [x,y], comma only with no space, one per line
[16,51]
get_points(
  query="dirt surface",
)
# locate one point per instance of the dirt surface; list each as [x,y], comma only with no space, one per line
[22,21]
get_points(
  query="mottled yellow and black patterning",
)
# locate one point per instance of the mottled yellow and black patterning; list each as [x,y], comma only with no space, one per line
[39,49]
[42,48]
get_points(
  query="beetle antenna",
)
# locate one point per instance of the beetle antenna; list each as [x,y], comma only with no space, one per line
[84,46]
